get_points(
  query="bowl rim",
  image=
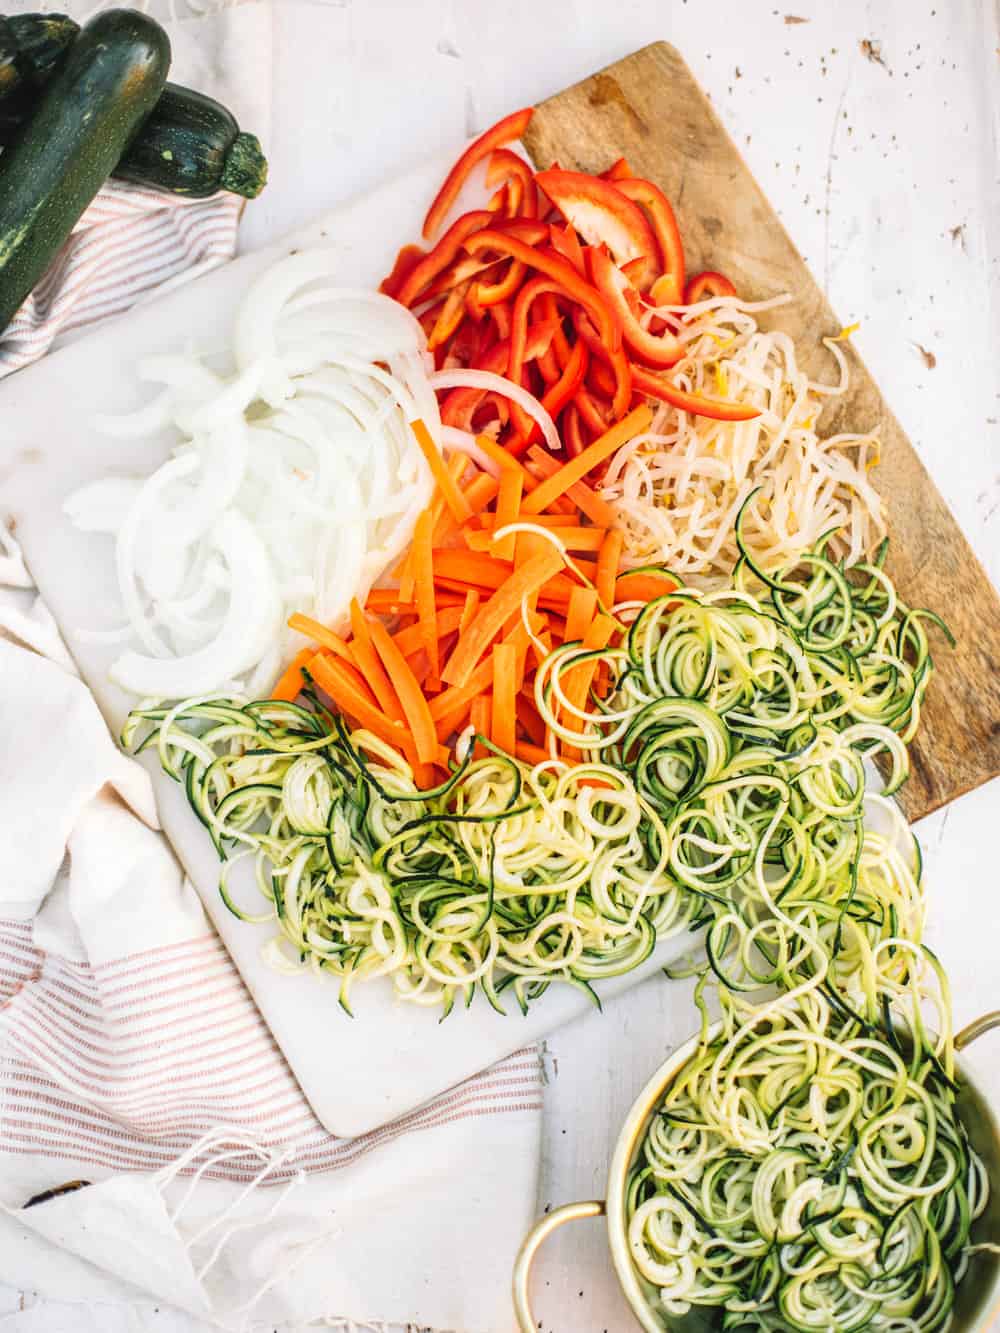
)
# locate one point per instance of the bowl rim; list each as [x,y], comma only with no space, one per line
[627,1142]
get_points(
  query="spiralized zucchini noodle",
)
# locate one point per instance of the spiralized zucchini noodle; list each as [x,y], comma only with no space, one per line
[503,877]
[679,487]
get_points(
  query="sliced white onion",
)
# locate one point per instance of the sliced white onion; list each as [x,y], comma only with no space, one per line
[485,379]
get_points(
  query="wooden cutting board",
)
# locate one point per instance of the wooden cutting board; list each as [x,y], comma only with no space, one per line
[359,1074]
[649,108]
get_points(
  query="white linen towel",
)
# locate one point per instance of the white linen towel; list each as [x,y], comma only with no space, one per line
[131,1055]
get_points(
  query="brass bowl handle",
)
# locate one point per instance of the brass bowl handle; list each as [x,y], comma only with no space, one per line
[976,1029]
[543,1228]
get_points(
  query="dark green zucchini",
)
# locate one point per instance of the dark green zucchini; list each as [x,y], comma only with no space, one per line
[65,151]
[192,145]
[32,47]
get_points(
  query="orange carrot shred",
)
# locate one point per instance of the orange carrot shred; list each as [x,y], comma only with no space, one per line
[291,680]
[580,613]
[457,695]
[411,639]
[336,679]
[531,754]
[480,717]
[454,499]
[507,510]
[504,696]
[578,680]
[423,571]
[579,494]
[371,667]
[524,581]
[577,468]
[322,635]
[530,719]
[408,691]
[469,610]
[608,559]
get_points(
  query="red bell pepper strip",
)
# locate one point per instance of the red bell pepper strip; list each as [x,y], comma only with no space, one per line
[458,272]
[555,398]
[654,386]
[451,315]
[590,409]
[533,288]
[528,230]
[407,259]
[555,267]
[560,343]
[423,273]
[572,432]
[507,166]
[661,215]
[489,293]
[704,285]
[501,314]
[665,291]
[619,170]
[603,215]
[499,202]
[599,378]
[621,393]
[503,132]
[565,242]
[496,359]
[548,365]
[652,349]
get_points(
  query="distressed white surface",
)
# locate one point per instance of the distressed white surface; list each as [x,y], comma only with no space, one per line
[871,168]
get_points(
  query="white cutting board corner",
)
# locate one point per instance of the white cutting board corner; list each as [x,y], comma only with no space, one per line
[356,1073]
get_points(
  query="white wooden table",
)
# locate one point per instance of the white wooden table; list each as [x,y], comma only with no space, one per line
[884,167]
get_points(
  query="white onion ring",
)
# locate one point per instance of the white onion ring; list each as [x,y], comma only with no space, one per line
[485,379]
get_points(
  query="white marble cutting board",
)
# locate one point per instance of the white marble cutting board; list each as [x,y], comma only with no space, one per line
[357,1074]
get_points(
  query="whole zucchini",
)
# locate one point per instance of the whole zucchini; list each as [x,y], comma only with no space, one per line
[64,153]
[190,144]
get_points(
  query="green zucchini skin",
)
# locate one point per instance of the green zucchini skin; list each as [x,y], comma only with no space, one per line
[192,145]
[63,154]
[32,47]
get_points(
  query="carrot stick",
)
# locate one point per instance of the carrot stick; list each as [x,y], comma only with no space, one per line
[471,645]
[409,693]
[504,696]
[577,468]
[371,667]
[531,754]
[498,453]
[454,499]
[480,717]
[291,680]
[458,695]
[470,568]
[321,635]
[423,572]
[335,679]
[644,587]
[411,640]
[578,680]
[407,579]
[580,613]
[507,510]
[608,559]
[469,610]
[530,719]
[587,501]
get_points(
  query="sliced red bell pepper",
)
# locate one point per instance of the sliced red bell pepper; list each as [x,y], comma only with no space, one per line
[560,343]
[503,132]
[528,230]
[565,242]
[600,377]
[496,359]
[507,166]
[407,259]
[602,215]
[423,273]
[555,267]
[661,215]
[532,289]
[590,409]
[666,290]
[572,432]
[506,287]
[499,202]
[500,315]
[653,349]
[459,271]
[621,391]
[556,397]
[548,366]
[654,386]
[619,170]
[451,314]
[704,285]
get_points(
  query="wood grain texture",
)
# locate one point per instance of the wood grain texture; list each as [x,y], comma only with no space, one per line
[649,108]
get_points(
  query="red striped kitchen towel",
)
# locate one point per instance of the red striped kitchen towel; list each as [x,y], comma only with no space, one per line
[128,242]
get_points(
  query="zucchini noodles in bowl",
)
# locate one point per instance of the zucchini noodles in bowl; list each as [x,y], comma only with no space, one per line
[679,488]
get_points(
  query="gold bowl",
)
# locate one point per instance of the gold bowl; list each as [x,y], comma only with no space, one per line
[977,1298]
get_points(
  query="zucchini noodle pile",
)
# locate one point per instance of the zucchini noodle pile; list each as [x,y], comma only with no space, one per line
[503,877]
[809,1171]
[679,488]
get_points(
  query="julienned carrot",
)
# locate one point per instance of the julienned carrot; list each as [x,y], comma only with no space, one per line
[580,612]
[504,730]
[410,641]
[453,497]
[578,680]
[336,679]
[423,580]
[291,680]
[371,667]
[586,500]
[524,581]
[507,510]
[408,691]
[642,587]
[470,567]
[577,468]
[532,754]
[481,720]
[458,696]
[608,559]
[387,602]
[472,600]
[499,455]
[322,635]
[529,719]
